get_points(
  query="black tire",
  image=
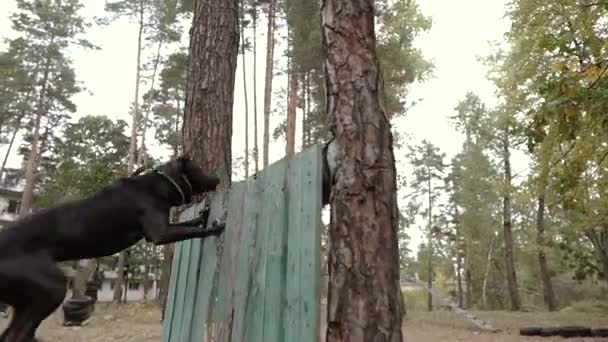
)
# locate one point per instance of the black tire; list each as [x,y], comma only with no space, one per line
[549,332]
[574,331]
[530,331]
[599,332]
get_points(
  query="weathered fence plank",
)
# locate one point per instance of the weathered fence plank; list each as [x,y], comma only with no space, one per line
[260,280]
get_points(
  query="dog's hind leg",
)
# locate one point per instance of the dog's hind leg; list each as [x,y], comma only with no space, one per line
[38,289]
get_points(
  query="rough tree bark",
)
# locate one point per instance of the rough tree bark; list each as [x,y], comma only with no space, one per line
[120,279]
[242,3]
[507,227]
[291,115]
[364,302]
[268,79]
[214,44]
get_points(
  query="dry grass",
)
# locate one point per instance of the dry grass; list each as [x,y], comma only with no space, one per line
[138,322]
[134,322]
[447,326]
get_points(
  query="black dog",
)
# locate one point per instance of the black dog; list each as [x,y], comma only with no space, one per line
[103,224]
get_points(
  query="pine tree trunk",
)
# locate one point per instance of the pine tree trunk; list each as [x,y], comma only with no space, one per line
[291,116]
[142,156]
[364,302]
[245,90]
[507,229]
[85,269]
[468,279]
[165,277]
[429,303]
[207,124]
[486,275]
[10,144]
[545,273]
[307,124]
[268,79]
[120,281]
[304,109]
[27,197]
[459,250]
[256,166]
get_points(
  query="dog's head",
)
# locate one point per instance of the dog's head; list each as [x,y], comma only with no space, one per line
[189,177]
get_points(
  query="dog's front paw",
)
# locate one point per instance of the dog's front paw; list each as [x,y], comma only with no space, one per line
[217,228]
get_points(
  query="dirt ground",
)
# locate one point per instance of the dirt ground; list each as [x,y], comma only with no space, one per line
[140,322]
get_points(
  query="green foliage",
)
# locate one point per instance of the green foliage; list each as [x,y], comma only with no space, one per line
[399,22]
[92,153]
[43,78]
[167,102]
[555,73]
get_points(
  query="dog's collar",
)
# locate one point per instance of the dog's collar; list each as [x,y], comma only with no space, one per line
[175,185]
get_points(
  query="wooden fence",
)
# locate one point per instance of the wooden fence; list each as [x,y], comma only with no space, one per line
[259,281]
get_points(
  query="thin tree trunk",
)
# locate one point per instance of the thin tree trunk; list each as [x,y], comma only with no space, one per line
[429,303]
[178,115]
[245,90]
[364,220]
[268,78]
[27,197]
[308,111]
[167,263]
[142,156]
[207,124]
[459,250]
[507,228]
[291,116]
[256,153]
[468,279]
[10,145]
[486,275]
[304,109]
[165,277]
[85,269]
[132,149]
[545,273]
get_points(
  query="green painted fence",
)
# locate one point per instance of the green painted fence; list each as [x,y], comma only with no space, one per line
[259,281]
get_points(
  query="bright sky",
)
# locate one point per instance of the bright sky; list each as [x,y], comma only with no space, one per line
[461,31]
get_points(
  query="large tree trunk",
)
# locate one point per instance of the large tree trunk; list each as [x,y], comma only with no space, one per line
[120,280]
[291,116]
[214,44]
[507,229]
[545,273]
[245,89]
[268,78]
[364,302]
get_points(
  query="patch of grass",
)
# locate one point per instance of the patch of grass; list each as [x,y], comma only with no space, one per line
[415,299]
[588,306]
